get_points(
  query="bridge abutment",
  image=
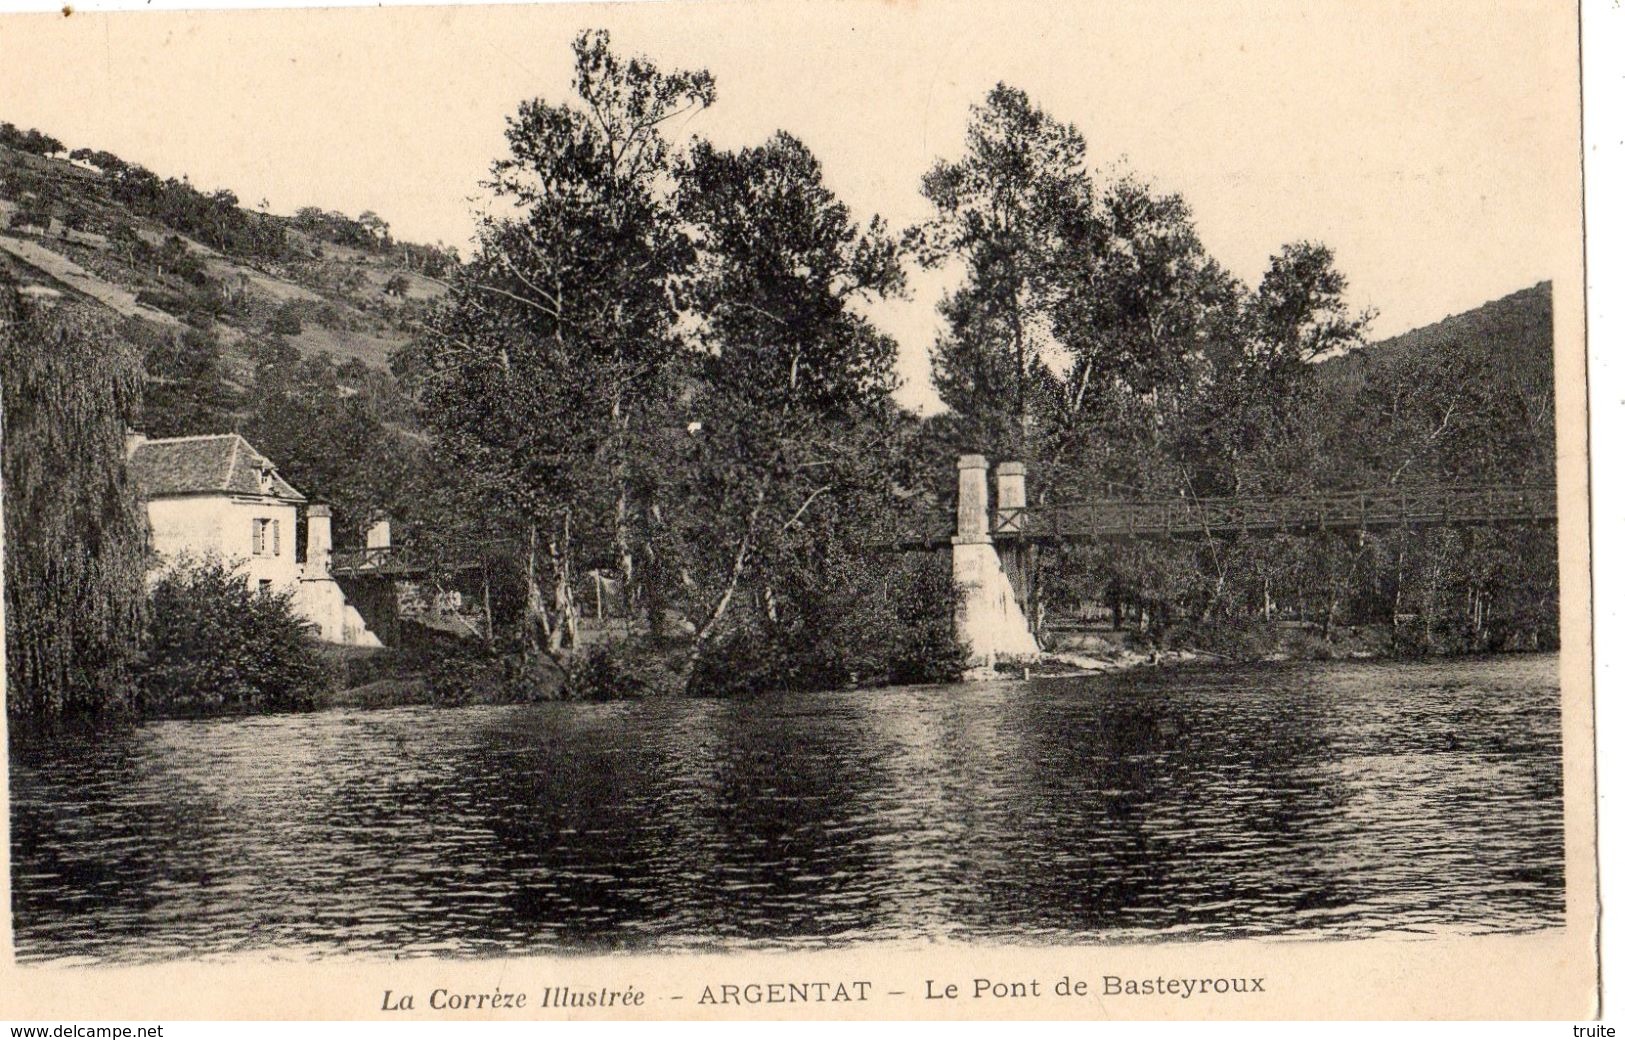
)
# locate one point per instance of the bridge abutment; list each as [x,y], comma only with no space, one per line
[989,618]
[319,597]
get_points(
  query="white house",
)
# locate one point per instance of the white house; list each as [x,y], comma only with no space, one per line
[216,496]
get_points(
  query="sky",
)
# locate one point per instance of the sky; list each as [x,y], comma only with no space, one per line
[1432,146]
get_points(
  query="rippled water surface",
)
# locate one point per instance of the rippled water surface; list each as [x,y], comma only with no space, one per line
[1317,800]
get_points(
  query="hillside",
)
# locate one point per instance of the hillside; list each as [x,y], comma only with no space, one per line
[170,256]
[1515,330]
[1468,399]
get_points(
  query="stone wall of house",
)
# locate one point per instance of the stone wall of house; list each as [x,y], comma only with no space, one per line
[222,527]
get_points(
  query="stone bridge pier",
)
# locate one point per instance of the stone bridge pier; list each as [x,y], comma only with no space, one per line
[989,617]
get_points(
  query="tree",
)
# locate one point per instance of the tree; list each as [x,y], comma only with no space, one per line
[555,350]
[376,227]
[1018,210]
[793,382]
[75,529]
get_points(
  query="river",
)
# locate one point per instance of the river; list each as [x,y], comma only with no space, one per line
[1318,800]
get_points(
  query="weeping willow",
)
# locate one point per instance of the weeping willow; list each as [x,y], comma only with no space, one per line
[75,531]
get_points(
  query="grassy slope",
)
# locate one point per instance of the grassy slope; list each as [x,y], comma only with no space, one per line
[355,320]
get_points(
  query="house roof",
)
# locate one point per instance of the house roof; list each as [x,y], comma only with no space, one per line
[217,464]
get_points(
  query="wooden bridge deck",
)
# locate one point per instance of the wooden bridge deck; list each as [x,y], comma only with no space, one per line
[1373,510]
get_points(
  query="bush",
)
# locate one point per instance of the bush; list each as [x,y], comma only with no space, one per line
[618,671]
[286,321]
[467,676]
[214,645]
[865,622]
[32,212]
[922,644]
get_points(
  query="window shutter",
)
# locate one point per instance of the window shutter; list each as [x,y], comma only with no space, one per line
[259,537]
[276,537]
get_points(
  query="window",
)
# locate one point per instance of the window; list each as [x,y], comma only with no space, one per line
[267,537]
[265,586]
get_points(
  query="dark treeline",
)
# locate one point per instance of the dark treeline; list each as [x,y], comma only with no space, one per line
[651,430]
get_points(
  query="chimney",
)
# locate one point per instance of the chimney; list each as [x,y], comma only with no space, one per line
[378,534]
[318,541]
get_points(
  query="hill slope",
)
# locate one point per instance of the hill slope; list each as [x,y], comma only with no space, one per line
[1468,399]
[1516,330]
[167,255]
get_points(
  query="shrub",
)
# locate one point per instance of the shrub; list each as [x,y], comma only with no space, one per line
[865,622]
[32,212]
[617,671]
[922,643]
[215,645]
[286,321]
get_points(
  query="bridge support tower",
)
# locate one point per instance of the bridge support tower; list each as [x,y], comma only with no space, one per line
[318,596]
[989,617]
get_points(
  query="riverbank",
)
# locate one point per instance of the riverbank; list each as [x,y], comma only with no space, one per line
[380,678]
[385,678]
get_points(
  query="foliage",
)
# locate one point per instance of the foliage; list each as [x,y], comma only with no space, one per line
[554,355]
[1019,210]
[32,212]
[325,426]
[186,389]
[659,369]
[286,321]
[793,384]
[31,141]
[616,671]
[75,532]
[216,645]
[1094,337]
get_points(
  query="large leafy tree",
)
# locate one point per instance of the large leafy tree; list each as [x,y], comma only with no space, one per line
[75,531]
[554,355]
[1018,211]
[793,384]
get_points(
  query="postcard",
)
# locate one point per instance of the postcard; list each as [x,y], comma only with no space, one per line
[755,510]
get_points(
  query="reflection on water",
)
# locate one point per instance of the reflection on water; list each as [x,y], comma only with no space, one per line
[1320,800]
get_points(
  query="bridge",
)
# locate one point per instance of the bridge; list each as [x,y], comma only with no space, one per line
[992,550]
[1372,510]
[1109,519]
[377,561]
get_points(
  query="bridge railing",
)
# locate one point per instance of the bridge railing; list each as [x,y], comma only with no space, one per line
[377,560]
[1386,507]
